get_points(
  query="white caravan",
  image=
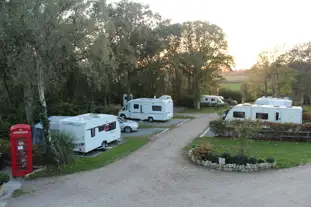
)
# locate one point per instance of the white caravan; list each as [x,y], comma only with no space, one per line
[274,101]
[148,109]
[211,99]
[91,131]
[277,114]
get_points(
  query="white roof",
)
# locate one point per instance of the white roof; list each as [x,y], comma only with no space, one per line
[84,118]
[150,100]
[274,101]
[268,106]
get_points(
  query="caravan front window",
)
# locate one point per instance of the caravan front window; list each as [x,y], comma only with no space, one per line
[239,114]
[156,108]
[136,106]
[92,132]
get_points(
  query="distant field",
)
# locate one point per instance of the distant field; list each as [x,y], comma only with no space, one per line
[234,78]
[231,86]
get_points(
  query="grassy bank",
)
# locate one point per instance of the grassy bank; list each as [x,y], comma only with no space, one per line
[89,163]
[287,154]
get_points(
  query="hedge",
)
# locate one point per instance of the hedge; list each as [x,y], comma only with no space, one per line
[267,129]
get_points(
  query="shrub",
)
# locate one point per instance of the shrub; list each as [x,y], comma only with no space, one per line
[5,149]
[230,94]
[218,127]
[261,161]
[227,157]
[60,151]
[202,151]
[214,158]
[252,160]
[37,155]
[270,160]
[306,116]
[240,159]
[184,101]
[4,178]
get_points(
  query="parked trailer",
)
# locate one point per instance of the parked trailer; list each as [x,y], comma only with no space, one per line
[148,109]
[212,100]
[91,131]
[277,114]
[274,101]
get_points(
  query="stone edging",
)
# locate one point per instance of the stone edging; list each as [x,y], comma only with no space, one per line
[232,167]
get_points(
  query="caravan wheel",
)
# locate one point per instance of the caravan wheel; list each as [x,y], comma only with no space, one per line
[150,119]
[105,144]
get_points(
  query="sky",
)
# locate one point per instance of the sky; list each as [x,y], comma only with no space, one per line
[251,26]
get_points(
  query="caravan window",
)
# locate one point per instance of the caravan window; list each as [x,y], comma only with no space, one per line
[101,128]
[112,126]
[136,106]
[262,116]
[206,99]
[212,99]
[156,108]
[92,132]
[239,114]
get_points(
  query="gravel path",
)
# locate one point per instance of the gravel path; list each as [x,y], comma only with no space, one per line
[159,175]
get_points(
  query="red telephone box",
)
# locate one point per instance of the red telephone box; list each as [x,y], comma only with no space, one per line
[21,150]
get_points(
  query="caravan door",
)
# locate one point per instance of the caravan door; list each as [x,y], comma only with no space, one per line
[135,113]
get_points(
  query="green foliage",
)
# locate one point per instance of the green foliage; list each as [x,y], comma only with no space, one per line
[228,157]
[5,149]
[231,94]
[253,160]
[261,161]
[240,159]
[270,160]
[62,153]
[4,178]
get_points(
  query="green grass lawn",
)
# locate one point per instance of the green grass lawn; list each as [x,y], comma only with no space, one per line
[231,86]
[88,163]
[287,154]
[307,108]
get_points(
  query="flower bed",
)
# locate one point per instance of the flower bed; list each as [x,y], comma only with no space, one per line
[202,155]
[232,167]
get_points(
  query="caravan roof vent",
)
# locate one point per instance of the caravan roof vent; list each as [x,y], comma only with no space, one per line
[247,104]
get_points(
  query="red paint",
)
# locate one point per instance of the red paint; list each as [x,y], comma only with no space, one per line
[21,150]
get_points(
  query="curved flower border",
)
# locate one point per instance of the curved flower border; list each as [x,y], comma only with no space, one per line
[232,167]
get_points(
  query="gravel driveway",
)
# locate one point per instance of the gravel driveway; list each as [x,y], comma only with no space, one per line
[158,175]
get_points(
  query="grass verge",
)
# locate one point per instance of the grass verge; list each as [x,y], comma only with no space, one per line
[287,154]
[89,163]
[183,117]
[19,192]
[231,86]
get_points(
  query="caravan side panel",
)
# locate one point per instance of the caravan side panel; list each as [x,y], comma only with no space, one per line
[77,131]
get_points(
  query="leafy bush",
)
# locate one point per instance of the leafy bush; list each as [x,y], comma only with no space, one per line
[37,155]
[240,159]
[230,94]
[214,158]
[184,101]
[60,151]
[5,149]
[4,178]
[252,160]
[306,116]
[218,127]
[227,157]
[202,151]
[270,160]
[261,161]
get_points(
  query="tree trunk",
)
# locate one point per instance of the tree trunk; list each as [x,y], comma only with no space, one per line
[49,151]
[129,85]
[6,88]
[28,99]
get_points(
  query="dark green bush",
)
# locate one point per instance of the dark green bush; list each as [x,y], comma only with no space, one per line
[261,161]
[230,94]
[60,151]
[240,159]
[184,101]
[214,158]
[270,160]
[228,157]
[252,160]
[5,149]
[4,178]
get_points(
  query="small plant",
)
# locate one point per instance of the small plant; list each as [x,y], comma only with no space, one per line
[240,159]
[252,160]
[214,158]
[270,160]
[202,151]
[261,161]
[4,178]
[227,156]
